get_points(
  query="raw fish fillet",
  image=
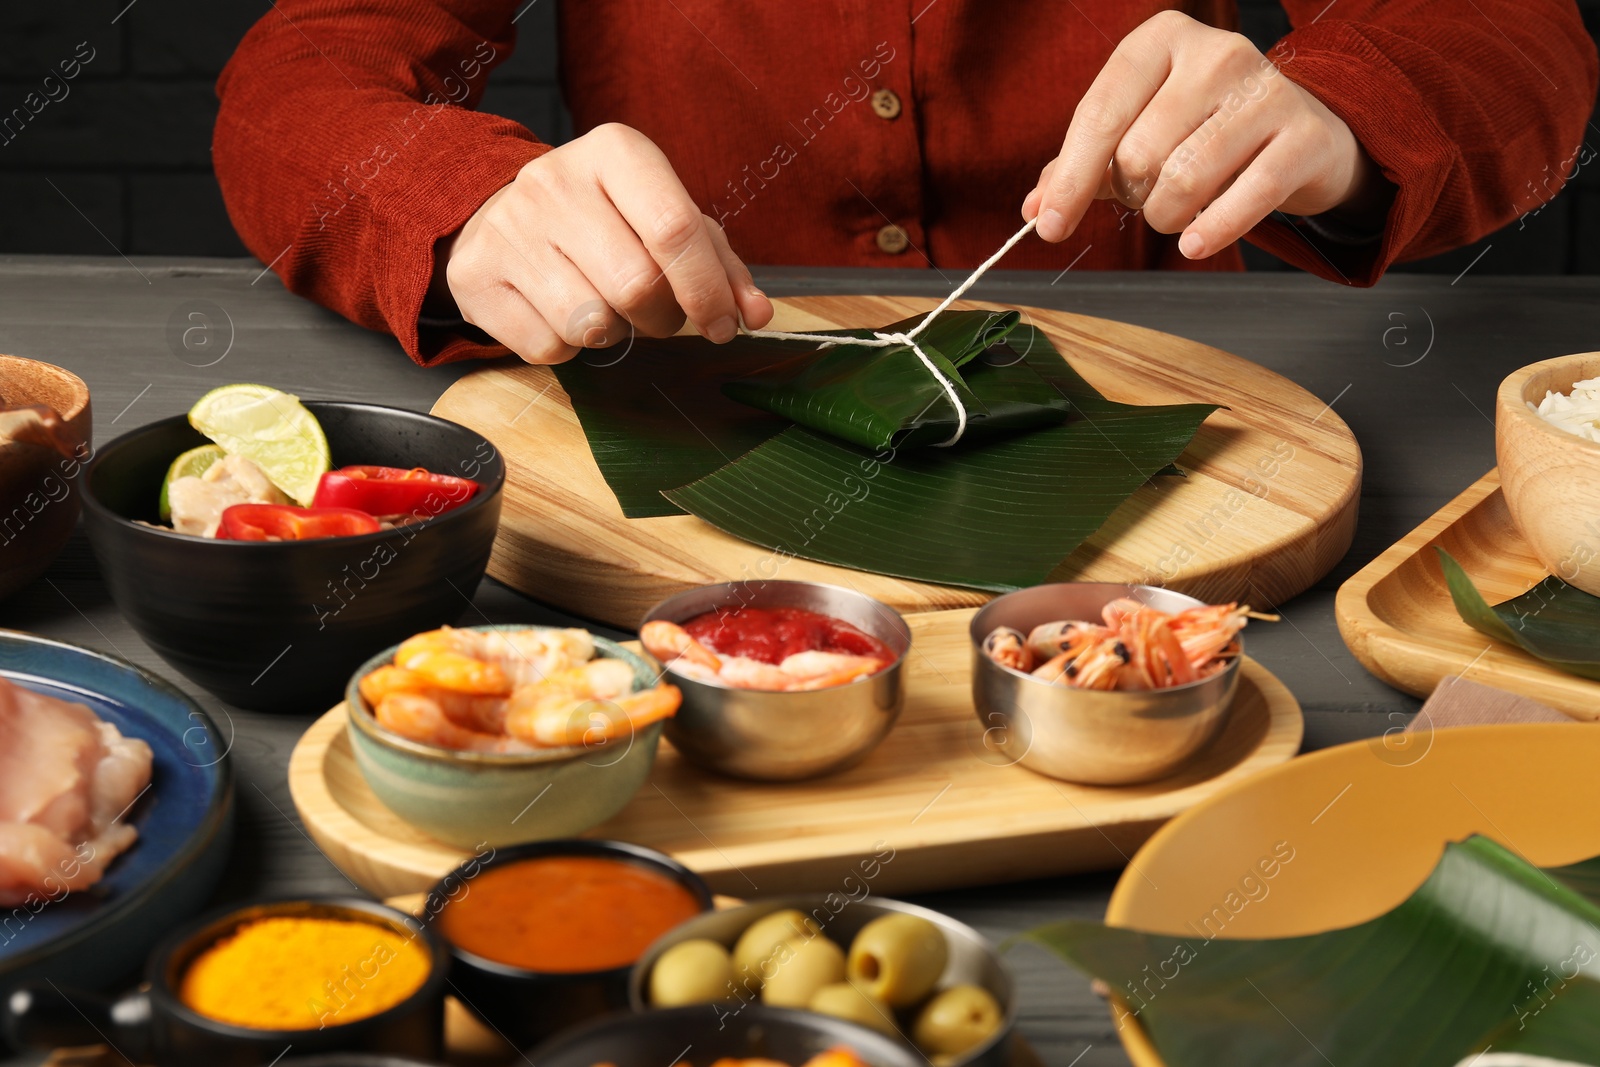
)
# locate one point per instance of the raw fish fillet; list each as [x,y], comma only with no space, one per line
[67,779]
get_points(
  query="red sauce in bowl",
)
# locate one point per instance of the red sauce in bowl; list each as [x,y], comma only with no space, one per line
[565,914]
[772,634]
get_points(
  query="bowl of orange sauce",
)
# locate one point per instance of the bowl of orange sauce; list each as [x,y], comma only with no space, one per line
[544,935]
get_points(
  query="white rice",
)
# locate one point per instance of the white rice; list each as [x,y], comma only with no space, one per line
[1577,412]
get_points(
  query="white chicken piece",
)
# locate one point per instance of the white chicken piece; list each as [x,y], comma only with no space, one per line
[198,502]
[67,778]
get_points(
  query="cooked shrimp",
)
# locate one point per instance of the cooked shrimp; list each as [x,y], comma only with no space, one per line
[1099,667]
[812,666]
[1138,647]
[448,657]
[528,656]
[1157,659]
[587,705]
[470,711]
[493,661]
[1009,648]
[674,646]
[819,676]
[421,718]
[1113,613]
[1206,633]
[742,672]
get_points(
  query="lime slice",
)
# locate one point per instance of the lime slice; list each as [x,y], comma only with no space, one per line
[272,430]
[192,464]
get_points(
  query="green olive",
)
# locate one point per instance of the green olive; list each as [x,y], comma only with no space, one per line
[845,1001]
[958,1020]
[797,969]
[898,958]
[697,971]
[762,937]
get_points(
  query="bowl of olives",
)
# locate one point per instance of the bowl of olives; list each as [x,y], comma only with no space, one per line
[908,972]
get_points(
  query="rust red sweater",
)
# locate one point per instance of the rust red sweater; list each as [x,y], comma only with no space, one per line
[347,142]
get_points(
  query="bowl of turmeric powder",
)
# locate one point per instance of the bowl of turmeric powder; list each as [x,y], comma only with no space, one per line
[238,987]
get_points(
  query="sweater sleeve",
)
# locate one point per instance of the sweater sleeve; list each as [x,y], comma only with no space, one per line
[1474,111]
[346,145]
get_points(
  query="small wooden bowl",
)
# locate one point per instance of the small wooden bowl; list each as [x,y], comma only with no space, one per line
[38,483]
[1551,478]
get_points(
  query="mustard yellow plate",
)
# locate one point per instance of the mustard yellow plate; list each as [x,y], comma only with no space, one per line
[1342,836]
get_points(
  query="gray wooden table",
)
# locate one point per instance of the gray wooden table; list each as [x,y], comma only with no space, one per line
[1411,365]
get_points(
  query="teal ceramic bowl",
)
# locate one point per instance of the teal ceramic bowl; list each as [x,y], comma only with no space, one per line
[473,799]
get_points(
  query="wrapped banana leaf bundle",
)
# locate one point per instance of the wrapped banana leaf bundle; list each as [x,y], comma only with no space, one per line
[987,474]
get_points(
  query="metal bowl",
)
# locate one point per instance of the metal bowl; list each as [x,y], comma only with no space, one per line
[779,736]
[973,960]
[699,1036]
[1095,737]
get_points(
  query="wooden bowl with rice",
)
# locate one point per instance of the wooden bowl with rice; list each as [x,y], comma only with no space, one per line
[1547,442]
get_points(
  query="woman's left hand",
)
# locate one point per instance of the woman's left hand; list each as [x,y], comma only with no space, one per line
[1199,130]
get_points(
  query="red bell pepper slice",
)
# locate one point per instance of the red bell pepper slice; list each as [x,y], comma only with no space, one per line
[281,522]
[393,491]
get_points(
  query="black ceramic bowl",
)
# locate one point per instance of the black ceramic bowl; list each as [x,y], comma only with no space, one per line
[151,1025]
[279,626]
[703,1033]
[527,1006]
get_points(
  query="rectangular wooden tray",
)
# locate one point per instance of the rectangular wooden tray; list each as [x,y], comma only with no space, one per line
[1397,617]
[932,805]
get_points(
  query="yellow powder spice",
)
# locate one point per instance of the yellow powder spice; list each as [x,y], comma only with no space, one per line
[303,973]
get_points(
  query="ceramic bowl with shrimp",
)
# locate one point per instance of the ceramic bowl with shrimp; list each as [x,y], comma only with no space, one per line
[780,680]
[502,735]
[1104,684]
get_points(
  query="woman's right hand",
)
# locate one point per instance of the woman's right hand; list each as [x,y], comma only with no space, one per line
[592,241]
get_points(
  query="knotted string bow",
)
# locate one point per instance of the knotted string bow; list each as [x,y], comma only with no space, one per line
[881,339]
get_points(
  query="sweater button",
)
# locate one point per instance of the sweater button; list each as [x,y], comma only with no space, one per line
[885,104]
[893,240]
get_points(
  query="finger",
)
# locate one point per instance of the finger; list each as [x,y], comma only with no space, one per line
[1174,114]
[610,255]
[1205,164]
[1128,82]
[1259,190]
[506,315]
[754,308]
[1030,203]
[661,212]
[558,291]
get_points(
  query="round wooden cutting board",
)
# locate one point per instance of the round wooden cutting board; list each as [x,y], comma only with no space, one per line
[1268,507]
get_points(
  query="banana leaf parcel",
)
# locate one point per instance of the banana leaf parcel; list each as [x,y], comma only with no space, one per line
[831,454]
[1490,953]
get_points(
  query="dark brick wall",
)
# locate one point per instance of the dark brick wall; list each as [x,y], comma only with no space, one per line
[119,155]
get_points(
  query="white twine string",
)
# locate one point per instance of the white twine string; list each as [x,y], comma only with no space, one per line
[881,339]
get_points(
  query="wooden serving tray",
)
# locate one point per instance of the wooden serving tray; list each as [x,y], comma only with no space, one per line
[1397,617]
[1268,507]
[931,796]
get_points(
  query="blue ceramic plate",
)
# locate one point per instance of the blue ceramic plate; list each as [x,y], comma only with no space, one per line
[185,823]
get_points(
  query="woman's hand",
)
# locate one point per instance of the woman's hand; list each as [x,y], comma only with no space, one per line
[1199,130]
[592,241]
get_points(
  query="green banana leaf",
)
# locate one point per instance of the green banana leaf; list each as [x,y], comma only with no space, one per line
[657,418]
[990,514]
[885,397]
[1490,952]
[1554,621]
